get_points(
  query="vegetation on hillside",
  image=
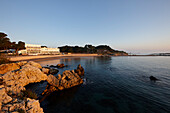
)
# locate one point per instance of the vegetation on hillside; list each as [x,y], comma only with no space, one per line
[101,49]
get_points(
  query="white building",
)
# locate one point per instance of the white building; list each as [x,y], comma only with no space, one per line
[45,50]
[32,49]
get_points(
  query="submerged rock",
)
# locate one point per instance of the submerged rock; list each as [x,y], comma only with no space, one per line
[152,78]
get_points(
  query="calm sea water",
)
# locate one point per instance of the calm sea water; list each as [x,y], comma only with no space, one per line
[112,85]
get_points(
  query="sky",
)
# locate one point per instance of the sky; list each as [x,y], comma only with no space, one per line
[135,26]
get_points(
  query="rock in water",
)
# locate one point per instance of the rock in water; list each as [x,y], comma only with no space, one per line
[79,70]
[53,71]
[45,70]
[60,65]
[67,80]
[153,78]
[52,80]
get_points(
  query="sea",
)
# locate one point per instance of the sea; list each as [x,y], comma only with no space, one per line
[111,85]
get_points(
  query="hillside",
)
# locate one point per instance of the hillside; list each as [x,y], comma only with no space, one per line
[101,49]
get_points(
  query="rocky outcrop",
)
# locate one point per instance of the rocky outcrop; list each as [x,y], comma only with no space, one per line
[17,105]
[16,80]
[4,68]
[67,80]
[4,98]
[34,64]
[13,78]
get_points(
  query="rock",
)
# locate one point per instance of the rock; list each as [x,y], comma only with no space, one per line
[53,71]
[16,80]
[34,64]
[10,67]
[33,106]
[80,70]
[152,78]
[60,65]
[4,98]
[45,70]
[52,80]
[0,105]
[13,78]
[53,66]
[67,80]
[49,89]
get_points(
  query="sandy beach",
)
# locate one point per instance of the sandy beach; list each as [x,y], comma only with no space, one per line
[46,57]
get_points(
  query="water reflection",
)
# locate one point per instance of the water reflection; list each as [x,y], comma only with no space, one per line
[49,62]
[114,85]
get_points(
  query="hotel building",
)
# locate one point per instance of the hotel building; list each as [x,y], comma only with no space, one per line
[32,49]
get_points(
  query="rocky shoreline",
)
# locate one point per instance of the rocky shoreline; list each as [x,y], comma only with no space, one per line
[15,76]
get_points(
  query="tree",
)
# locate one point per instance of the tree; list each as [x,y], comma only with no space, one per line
[19,46]
[4,41]
[2,35]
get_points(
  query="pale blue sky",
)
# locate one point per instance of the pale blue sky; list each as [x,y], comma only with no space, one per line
[137,26]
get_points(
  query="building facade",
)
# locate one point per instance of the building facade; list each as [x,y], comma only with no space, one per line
[32,49]
[50,51]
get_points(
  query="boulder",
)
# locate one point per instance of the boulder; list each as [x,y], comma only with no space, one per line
[4,98]
[79,70]
[16,80]
[33,106]
[52,80]
[34,64]
[152,78]
[67,80]
[45,70]
[4,68]
[60,65]
[53,71]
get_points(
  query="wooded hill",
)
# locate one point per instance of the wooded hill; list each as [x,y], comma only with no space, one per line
[101,49]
